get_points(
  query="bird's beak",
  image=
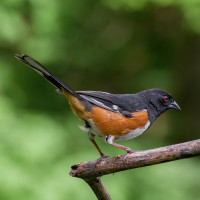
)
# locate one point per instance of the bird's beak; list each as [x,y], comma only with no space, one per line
[174,105]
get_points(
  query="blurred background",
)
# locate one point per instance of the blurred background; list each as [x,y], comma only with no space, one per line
[118,46]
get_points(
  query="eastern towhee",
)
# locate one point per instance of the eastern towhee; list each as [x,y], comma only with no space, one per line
[114,117]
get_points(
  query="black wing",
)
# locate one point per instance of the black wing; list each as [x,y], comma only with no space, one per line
[123,104]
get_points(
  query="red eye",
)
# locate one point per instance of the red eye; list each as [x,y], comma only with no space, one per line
[166,98]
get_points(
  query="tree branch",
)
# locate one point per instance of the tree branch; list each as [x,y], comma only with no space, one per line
[98,188]
[91,171]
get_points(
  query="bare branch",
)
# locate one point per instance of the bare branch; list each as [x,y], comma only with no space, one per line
[92,169]
[98,188]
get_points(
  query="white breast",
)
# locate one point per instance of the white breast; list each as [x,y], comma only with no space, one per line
[133,133]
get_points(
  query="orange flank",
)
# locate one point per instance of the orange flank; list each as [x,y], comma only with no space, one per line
[77,105]
[111,123]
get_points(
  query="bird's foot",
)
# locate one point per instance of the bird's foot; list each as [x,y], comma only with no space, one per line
[103,156]
[129,151]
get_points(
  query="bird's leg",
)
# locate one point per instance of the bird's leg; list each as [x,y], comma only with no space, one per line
[110,139]
[91,137]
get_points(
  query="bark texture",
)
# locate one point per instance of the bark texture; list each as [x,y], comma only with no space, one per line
[91,171]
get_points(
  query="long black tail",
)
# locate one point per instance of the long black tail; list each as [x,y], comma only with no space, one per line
[45,73]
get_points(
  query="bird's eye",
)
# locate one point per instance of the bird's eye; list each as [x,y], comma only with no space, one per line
[166,98]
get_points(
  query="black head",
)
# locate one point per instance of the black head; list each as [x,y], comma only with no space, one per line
[159,101]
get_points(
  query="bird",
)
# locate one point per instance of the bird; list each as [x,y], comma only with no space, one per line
[114,117]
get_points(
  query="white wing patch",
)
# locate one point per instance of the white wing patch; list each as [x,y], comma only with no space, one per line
[115,107]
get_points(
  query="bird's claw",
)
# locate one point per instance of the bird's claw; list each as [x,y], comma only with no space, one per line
[103,156]
[129,151]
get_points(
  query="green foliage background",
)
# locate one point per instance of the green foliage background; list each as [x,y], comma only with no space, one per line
[119,46]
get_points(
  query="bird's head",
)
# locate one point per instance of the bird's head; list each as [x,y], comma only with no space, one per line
[159,101]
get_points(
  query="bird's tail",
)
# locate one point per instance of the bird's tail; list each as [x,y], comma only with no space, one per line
[46,74]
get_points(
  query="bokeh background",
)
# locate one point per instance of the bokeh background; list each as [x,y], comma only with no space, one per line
[118,46]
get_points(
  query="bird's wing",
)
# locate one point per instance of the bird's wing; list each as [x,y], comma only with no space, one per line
[119,103]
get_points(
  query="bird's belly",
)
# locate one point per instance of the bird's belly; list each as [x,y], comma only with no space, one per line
[104,122]
[133,134]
